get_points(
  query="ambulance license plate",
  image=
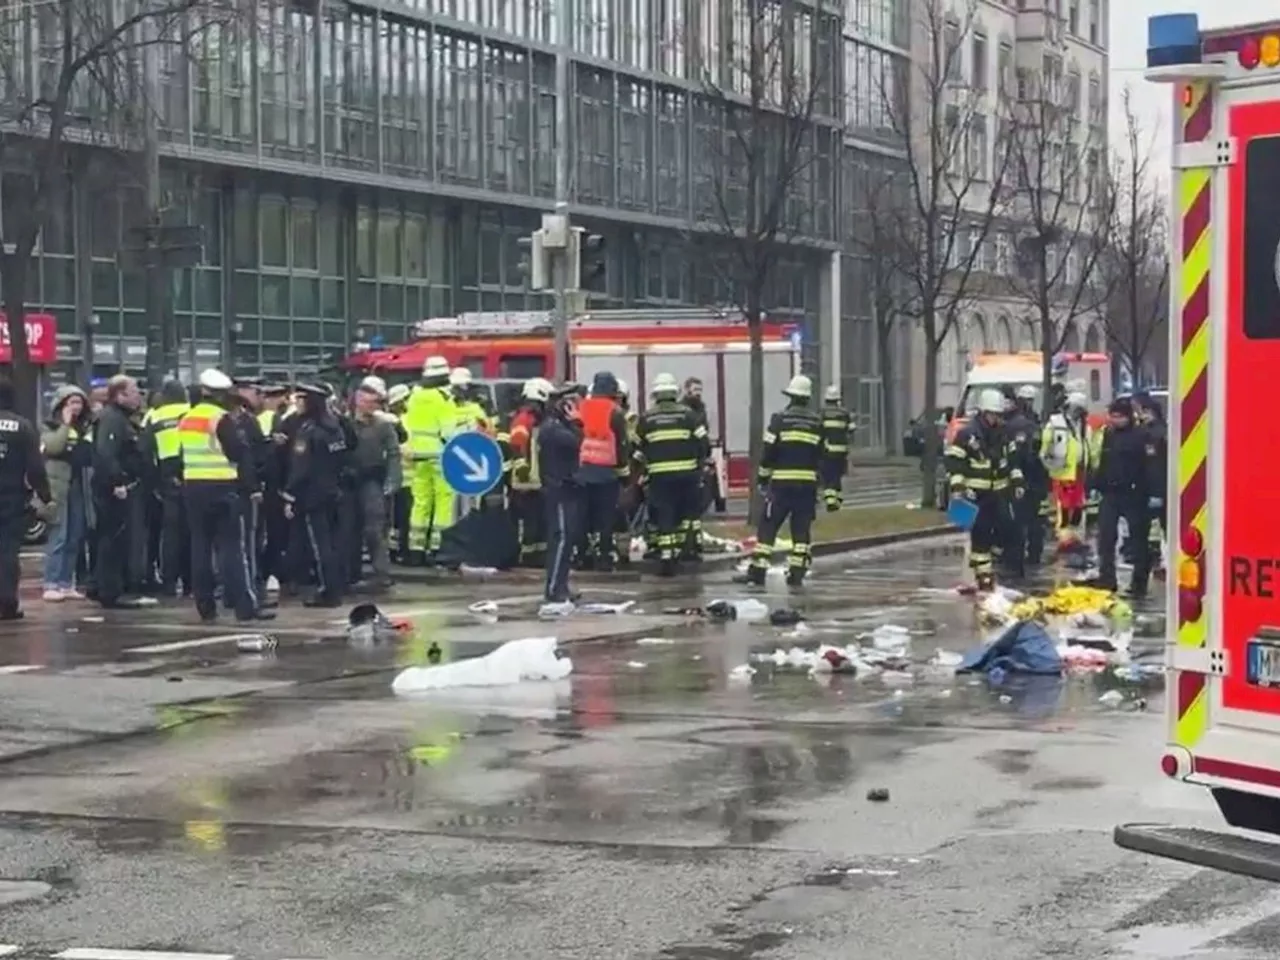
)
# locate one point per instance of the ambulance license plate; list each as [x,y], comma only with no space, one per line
[1263,663]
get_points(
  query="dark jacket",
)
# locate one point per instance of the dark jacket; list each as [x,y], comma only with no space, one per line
[1023,433]
[118,459]
[320,459]
[21,465]
[1129,463]
[559,442]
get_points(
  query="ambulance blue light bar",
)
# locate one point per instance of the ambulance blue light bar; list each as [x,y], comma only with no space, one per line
[1173,39]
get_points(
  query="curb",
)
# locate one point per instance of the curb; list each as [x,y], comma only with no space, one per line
[827,548]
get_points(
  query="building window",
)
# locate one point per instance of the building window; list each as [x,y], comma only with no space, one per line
[1004,69]
[1095,22]
[978,146]
[273,217]
[981,68]
[952,54]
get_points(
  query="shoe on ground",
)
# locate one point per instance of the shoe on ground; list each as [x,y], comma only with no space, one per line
[553,609]
[53,595]
[273,585]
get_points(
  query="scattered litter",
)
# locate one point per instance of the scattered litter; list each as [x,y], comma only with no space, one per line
[533,658]
[890,638]
[749,610]
[606,608]
[367,625]
[256,643]
[946,658]
[896,678]
[784,617]
[1005,698]
[93,619]
[878,794]
[483,608]
[1112,698]
[654,642]
[741,673]
[1137,672]
[636,665]
[469,571]
[1077,658]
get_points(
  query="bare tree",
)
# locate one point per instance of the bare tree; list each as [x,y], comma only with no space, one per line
[951,192]
[768,117]
[1059,199]
[73,75]
[1134,270]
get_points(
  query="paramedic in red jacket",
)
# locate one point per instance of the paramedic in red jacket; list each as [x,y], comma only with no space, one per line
[604,463]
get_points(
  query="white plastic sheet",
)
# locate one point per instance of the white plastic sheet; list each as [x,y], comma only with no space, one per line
[516,661]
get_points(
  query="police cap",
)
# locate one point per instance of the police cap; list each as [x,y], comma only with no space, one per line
[313,389]
[276,389]
[254,383]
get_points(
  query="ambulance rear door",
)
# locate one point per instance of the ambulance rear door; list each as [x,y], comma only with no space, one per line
[1224,497]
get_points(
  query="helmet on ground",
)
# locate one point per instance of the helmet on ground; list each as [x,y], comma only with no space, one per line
[1077,400]
[832,394]
[991,401]
[1027,392]
[212,379]
[375,385]
[460,376]
[537,389]
[398,394]
[436,366]
[800,387]
[664,384]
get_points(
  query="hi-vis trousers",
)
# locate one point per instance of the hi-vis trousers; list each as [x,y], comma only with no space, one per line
[433,506]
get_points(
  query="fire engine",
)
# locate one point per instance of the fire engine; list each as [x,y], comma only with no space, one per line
[505,349]
[1223,648]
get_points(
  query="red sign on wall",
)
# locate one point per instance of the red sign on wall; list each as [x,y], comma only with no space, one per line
[42,338]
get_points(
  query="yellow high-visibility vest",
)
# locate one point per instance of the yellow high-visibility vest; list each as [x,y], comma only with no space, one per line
[203,460]
[165,419]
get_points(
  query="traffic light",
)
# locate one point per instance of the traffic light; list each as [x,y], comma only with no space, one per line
[533,261]
[590,259]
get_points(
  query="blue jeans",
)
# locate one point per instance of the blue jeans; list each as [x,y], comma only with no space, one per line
[66,541]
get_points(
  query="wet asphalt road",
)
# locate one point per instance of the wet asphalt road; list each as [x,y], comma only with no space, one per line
[160,791]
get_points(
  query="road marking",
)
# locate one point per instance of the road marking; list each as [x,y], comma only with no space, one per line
[6,949]
[17,668]
[95,953]
[186,644]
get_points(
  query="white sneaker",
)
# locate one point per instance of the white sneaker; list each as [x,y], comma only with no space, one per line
[550,611]
[273,585]
[146,602]
[72,595]
[53,595]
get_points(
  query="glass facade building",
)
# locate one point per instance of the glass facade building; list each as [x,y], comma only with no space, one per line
[358,167]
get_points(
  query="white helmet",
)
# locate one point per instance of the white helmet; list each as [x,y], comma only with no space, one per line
[832,394]
[991,401]
[398,394]
[436,366]
[375,385]
[664,384]
[212,379]
[460,377]
[538,389]
[624,389]
[1077,400]
[800,387]
[1027,392]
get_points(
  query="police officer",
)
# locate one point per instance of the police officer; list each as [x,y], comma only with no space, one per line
[837,425]
[1127,477]
[671,449]
[980,469]
[312,494]
[119,465]
[213,450]
[274,539]
[606,461]
[1026,532]
[558,449]
[402,499]
[253,471]
[1151,415]
[171,545]
[377,464]
[791,462]
[22,471]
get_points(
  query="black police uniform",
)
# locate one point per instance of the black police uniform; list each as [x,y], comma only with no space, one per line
[1127,476]
[320,457]
[170,544]
[118,463]
[836,421]
[21,471]
[671,449]
[559,445]
[253,485]
[980,467]
[790,466]
[1026,533]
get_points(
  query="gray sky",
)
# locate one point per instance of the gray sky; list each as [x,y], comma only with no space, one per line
[1153,102]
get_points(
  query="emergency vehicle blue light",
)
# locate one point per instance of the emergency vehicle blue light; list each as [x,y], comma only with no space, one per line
[1173,38]
[377,342]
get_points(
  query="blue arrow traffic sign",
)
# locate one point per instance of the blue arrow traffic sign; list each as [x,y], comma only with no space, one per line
[471,463]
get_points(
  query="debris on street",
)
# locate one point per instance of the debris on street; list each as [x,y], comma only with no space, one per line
[516,661]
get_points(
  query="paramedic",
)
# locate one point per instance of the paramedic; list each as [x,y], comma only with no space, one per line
[605,462]
[981,470]
[1126,477]
[1064,450]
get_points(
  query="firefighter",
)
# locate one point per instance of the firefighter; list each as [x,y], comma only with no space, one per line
[837,425]
[431,419]
[791,465]
[520,441]
[402,500]
[558,455]
[471,412]
[212,451]
[605,462]
[672,448]
[320,460]
[981,470]
[171,546]
[1064,451]
[1026,532]
[1126,475]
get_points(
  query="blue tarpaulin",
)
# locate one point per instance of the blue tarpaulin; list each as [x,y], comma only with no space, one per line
[1025,648]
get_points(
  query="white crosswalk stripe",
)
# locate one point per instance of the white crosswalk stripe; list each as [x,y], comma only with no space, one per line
[19,952]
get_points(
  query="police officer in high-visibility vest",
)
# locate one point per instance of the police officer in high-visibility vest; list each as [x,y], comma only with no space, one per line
[791,463]
[671,448]
[212,449]
[171,543]
[837,425]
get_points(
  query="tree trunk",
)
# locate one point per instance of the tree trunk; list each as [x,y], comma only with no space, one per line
[755,415]
[889,429]
[15,270]
[930,456]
